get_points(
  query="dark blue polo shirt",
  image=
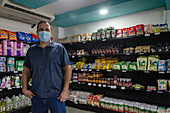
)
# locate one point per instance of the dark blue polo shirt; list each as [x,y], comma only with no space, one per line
[47,66]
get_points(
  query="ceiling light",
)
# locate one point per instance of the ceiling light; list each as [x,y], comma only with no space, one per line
[103,11]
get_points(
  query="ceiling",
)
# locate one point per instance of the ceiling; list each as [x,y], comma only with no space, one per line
[74,12]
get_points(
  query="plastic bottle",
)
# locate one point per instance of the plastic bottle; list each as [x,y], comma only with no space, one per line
[17,81]
[8,82]
[23,102]
[12,81]
[0,84]
[20,100]
[3,108]
[8,104]
[13,98]
[3,82]
[16,102]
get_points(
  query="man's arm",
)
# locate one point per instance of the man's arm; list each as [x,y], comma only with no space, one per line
[64,94]
[25,79]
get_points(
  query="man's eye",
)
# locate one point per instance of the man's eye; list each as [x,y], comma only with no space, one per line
[41,29]
[47,29]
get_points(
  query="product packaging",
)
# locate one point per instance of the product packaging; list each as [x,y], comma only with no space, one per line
[119,33]
[148,29]
[35,38]
[132,31]
[94,36]
[153,63]
[125,32]
[163,27]
[28,37]
[8,48]
[142,63]
[132,66]
[162,85]
[162,65]
[156,28]
[12,36]
[140,29]
[18,48]
[3,34]
[21,36]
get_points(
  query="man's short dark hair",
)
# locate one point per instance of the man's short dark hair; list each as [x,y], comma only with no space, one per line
[42,22]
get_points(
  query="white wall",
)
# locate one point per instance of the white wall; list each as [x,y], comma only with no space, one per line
[168,18]
[154,16]
[13,25]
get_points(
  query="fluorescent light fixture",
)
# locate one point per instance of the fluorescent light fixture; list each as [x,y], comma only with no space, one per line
[103,11]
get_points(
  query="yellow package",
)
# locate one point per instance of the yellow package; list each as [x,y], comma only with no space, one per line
[97,64]
[107,65]
[102,64]
[79,65]
[3,34]
[112,65]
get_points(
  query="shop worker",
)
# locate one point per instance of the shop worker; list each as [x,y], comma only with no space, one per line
[51,73]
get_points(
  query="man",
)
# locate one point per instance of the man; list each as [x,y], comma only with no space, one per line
[51,73]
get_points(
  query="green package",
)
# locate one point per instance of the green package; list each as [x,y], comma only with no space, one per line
[153,63]
[118,66]
[132,66]
[20,62]
[142,63]
[19,68]
[125,66]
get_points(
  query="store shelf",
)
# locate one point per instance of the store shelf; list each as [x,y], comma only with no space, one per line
[89,107]
[21,110]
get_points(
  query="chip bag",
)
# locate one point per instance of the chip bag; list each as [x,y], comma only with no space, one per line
[12,36]
[3,34]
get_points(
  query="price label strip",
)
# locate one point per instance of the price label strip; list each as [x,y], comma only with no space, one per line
[113,87]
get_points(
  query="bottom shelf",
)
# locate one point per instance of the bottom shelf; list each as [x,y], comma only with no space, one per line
[89,107]
[21,110]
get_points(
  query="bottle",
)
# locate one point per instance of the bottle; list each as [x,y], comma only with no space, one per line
[8,104]
[20,79]
[12,81]
[3,106]
[16,102]
[17,81]
[23,101]
[8,82]
[20,100]
[3,82]
[0,84]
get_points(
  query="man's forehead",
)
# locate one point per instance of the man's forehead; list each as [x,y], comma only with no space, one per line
[44,25]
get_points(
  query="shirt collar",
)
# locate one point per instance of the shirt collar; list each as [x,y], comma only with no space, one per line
[51,44]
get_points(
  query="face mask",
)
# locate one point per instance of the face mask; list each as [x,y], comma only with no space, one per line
[44,36]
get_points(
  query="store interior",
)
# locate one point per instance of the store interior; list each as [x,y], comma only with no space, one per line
[119,52]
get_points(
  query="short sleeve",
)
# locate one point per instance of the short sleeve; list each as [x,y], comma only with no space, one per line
[27,59]
[65,58]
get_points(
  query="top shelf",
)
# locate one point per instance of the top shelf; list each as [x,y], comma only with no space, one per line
[133,38]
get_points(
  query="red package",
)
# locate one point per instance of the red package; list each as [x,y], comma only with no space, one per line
[12,36]
[119,33]
[132,31]
[3,34]
[140,29]
[125,32]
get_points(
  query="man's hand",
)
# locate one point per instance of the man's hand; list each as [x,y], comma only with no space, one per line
[63,96]
[28,93]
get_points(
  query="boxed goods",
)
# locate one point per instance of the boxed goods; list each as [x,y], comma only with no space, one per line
[132,31]
[142,63]
[140,29]
[83,37]
[88,36]
[12,36]
[11,60]
[3,34]
[125,32]
[162,65]
[148,29]
[138,49]
[21,36]
[119,33]
[11,67]
[1,49]
[153,63]
[94,36]
[162,85]
[161,109]
[2,59]
[163,27]
[156,28]
[8,48]
[19,62]
[18,48]
[2,64]
[103,34]
[2,69]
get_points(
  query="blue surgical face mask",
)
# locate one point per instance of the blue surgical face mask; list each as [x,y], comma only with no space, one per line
[44,36]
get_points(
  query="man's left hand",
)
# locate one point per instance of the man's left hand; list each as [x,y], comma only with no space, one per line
[63,96]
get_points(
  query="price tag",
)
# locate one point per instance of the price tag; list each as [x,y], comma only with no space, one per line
[94,84]
[122,88]
[102,54]
[15,71]
[82,69]
[90,69]
[76,69]
[70,82]
[159,92]
[141,53]
[109,70]
[9,88]
[161,72]
[104,85]
[79,82]
[124,71]
[83,83]
[73,56]
[147,34]
[158,33]
[168,72]
[85,69]
[149,90]
[13,87]
[104,40]
[146,71]
[84,42]
[0,89]
[99,85]
[89,84]
[97,70]
[113,87]
[127,53]
[18,87]
[79,55]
